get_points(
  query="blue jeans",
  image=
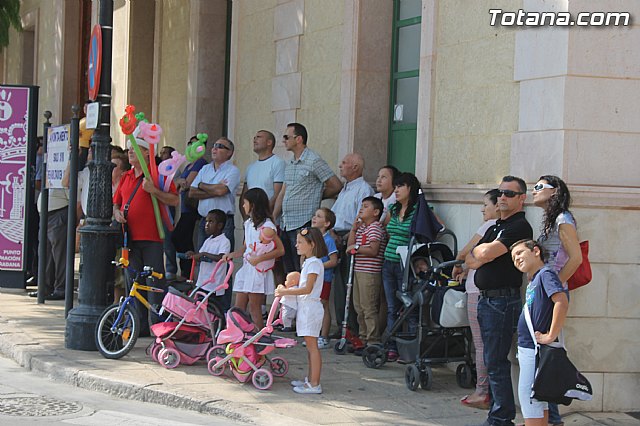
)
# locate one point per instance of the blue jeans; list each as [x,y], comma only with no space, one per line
[554,414]
[391,281]
[171,262]
[291,258]
[498,318]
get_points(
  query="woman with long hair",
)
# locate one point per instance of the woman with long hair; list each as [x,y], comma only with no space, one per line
[398,222]
[559,238]
[559,235]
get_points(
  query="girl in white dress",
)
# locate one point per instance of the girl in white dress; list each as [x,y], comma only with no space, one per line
[310,244]
[251,286]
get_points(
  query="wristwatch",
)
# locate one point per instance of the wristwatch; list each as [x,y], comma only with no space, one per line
[356,247]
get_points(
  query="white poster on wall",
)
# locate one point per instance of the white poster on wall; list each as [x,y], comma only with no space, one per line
[57,154]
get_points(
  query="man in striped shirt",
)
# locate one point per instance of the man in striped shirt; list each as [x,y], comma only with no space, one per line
[367,239]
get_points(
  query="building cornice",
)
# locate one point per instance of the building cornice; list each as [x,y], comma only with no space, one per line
[583,196]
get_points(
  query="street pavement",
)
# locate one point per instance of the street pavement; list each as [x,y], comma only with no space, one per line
[33,336]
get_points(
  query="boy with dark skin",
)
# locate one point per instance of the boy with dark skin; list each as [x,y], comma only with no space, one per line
[214,247]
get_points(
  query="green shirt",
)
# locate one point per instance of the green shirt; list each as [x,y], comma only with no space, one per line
[399,233]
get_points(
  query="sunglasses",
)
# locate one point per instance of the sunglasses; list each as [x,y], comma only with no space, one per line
[541,186]
[509,193]
[287,137]
[221,146]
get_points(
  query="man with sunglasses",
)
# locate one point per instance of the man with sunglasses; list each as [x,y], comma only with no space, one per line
[215,188]
[499,306]
[307,180]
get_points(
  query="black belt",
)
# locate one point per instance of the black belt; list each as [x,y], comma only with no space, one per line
[501,292]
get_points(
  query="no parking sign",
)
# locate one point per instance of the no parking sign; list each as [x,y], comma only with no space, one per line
[95,62]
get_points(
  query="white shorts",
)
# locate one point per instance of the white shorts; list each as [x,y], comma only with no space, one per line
[531,408]
[309,318]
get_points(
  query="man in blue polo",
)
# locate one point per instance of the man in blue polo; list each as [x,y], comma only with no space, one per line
[499,306]
[307,180]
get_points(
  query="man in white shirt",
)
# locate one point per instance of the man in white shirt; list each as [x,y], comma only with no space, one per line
[215,187]
[353,192]
[267,172]
[346,210]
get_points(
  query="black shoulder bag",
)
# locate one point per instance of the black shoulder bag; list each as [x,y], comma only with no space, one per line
[122,237]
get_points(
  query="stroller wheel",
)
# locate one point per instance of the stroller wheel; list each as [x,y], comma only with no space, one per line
[216,350]
[465,376]
[279,366]
[169,358]
[374,356]
[426,378]
[211,367]
[340,347]
[155,350]
[412,377]
[262,379]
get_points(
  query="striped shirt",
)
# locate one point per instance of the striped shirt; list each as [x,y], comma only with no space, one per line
[364,236]
[399,233]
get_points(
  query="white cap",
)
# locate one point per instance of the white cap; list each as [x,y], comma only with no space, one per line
[141,143]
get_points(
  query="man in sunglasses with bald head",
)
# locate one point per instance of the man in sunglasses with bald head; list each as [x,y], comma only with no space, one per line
[215,187]
[499,306]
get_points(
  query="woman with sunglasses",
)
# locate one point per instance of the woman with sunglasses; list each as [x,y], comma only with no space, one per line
[559,237]
[398,223]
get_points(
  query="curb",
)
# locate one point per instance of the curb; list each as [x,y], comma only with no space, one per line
[32,357]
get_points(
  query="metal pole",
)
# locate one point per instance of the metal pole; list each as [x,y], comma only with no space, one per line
[71,218]
[98,242]
[44,214]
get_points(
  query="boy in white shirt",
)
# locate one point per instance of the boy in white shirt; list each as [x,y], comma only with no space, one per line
[213,248]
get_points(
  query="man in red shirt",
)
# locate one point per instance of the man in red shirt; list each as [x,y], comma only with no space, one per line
[145,245]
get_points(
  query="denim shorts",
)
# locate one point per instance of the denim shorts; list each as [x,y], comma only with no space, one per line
[531,408]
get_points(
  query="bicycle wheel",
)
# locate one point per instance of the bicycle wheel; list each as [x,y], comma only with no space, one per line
[116,340]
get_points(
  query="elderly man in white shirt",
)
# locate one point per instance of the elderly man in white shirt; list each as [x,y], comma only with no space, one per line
[354,191]
[346,209]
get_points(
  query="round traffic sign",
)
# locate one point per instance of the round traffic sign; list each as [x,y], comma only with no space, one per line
[95,62]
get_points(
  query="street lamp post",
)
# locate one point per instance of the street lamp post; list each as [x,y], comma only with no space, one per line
[98,243]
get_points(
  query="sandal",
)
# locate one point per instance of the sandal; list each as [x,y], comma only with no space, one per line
[484,404]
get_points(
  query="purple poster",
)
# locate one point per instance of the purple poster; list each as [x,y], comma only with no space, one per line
[14,108]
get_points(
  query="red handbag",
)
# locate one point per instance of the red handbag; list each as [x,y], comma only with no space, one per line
[582,276]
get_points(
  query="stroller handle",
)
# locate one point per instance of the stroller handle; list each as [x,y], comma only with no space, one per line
[272,314]
[445,265]
[225,283]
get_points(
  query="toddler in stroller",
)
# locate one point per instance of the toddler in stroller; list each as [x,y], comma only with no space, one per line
[244,349]
[196,319]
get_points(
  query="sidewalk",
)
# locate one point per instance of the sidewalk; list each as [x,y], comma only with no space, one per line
[33,336]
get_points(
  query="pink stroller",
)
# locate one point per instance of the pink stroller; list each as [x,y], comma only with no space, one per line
[194,323]
[246,349]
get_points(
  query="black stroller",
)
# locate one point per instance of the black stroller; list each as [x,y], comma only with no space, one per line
[428,342]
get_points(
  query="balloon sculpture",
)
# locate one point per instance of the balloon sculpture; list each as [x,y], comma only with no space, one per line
[196,149]
[136,125]
[128,125]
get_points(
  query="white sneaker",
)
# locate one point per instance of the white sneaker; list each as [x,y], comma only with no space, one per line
[323,343]
[307,388]
[304,343]
[298,383]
